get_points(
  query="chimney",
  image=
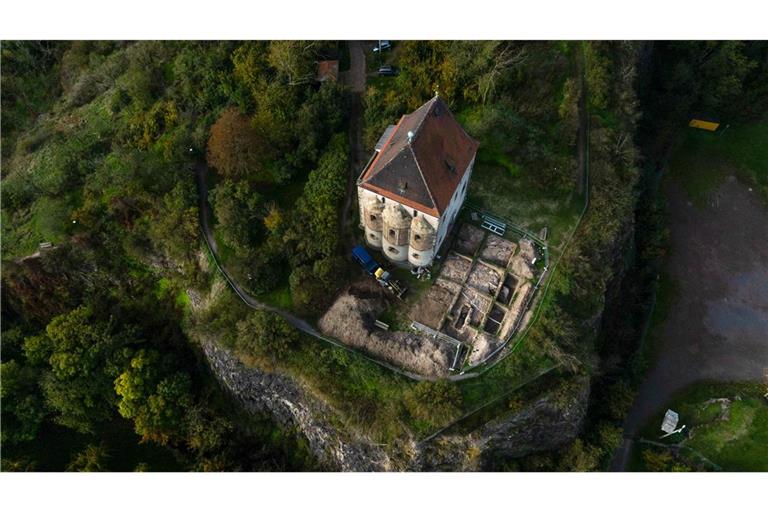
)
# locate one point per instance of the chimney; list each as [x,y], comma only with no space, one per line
[410,136]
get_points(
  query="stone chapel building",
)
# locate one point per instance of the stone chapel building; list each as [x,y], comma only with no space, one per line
[414,185]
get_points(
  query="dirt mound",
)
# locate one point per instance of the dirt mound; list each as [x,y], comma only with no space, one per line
[351,320]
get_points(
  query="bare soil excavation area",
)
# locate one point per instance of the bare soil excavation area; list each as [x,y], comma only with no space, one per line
[717,329]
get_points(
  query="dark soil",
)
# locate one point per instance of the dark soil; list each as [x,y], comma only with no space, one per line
[718,328]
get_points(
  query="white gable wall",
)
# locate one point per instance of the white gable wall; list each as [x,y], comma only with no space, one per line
[449,215]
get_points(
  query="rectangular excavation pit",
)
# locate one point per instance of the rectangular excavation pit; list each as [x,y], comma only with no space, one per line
[468,240]
[497,250]
[507,289]
[476,306]
[484,278]
[494,320]
[431,307]
[455,268]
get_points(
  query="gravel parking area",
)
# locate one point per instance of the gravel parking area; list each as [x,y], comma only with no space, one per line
[718,327]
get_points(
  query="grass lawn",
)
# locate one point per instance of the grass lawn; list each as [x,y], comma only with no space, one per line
[704,159]
[503,188]
[666,295]
[737,440]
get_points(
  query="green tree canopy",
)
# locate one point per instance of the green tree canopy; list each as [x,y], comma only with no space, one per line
[155,399]
[80,355]
[22,410]
[266,336]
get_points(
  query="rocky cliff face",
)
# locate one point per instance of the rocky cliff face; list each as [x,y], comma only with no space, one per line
[293,406]
[547,423]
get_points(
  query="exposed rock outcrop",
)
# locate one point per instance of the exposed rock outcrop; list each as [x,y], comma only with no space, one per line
[292,406]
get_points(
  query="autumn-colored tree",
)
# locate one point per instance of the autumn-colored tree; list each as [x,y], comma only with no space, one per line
[273,219]
[235,148]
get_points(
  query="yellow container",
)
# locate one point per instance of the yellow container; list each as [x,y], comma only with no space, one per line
[703,125]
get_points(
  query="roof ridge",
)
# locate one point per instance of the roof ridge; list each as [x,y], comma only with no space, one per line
[381,152]
[431,102]
[424,179]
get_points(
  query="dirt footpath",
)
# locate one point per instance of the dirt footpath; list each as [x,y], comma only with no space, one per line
[718,327]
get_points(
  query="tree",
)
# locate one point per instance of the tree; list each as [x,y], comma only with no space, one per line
[155,399]
[92,458]
[273,219]
[579,456]
[207,432]
[314,227]
[236,207]
[81,356]
[293,60]
[175,227]
[266,336]
[22,403]
[313,286]
[235,148]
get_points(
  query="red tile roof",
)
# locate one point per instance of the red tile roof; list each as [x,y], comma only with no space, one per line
[422,173]
[328,70]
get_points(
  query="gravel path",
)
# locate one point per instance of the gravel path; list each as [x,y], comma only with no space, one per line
[355,80]
[718,327]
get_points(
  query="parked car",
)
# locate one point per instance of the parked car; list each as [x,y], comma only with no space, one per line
[383,45]
[388,71]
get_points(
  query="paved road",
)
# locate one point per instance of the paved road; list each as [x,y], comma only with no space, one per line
[718,327]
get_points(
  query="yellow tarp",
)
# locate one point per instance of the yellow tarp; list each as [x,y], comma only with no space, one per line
[704,125]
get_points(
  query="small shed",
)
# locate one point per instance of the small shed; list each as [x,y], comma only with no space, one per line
[328,70]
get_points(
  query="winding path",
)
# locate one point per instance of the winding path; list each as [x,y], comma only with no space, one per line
[204,213]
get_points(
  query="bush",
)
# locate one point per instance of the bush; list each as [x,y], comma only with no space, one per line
[265,336]
[435,403]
